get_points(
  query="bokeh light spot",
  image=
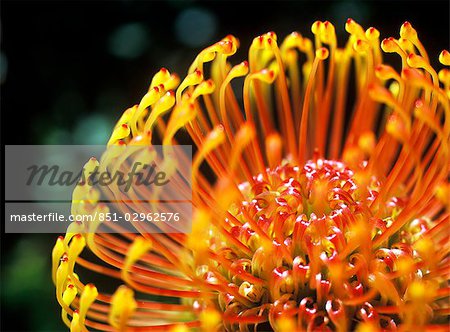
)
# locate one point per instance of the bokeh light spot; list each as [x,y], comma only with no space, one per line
[57,136]
[129,41]
[3,67]
[357,10]
[92,130]
[195,27]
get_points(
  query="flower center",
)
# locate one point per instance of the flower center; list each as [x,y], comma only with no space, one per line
[319,196]
[310,232]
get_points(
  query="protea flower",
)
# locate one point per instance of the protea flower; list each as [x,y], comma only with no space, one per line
[321,199]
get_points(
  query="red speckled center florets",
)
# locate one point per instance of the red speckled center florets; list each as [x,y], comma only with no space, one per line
[304,226]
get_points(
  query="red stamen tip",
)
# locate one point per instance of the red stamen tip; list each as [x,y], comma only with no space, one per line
[419,103]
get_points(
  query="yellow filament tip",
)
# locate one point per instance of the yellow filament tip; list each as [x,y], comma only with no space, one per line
[322,53]
[122,308]
[408,32]
[444,58]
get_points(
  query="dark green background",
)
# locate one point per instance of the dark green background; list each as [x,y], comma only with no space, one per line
[72,67]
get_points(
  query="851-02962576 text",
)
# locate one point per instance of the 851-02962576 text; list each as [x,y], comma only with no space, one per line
[136,216]
[107,216]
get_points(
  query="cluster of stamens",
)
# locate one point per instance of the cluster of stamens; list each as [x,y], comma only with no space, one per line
[310,230]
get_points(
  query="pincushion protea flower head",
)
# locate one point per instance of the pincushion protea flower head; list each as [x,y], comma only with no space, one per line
[322,203]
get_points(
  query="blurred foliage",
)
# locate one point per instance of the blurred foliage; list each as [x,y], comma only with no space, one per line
[26,288]
[69,69]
